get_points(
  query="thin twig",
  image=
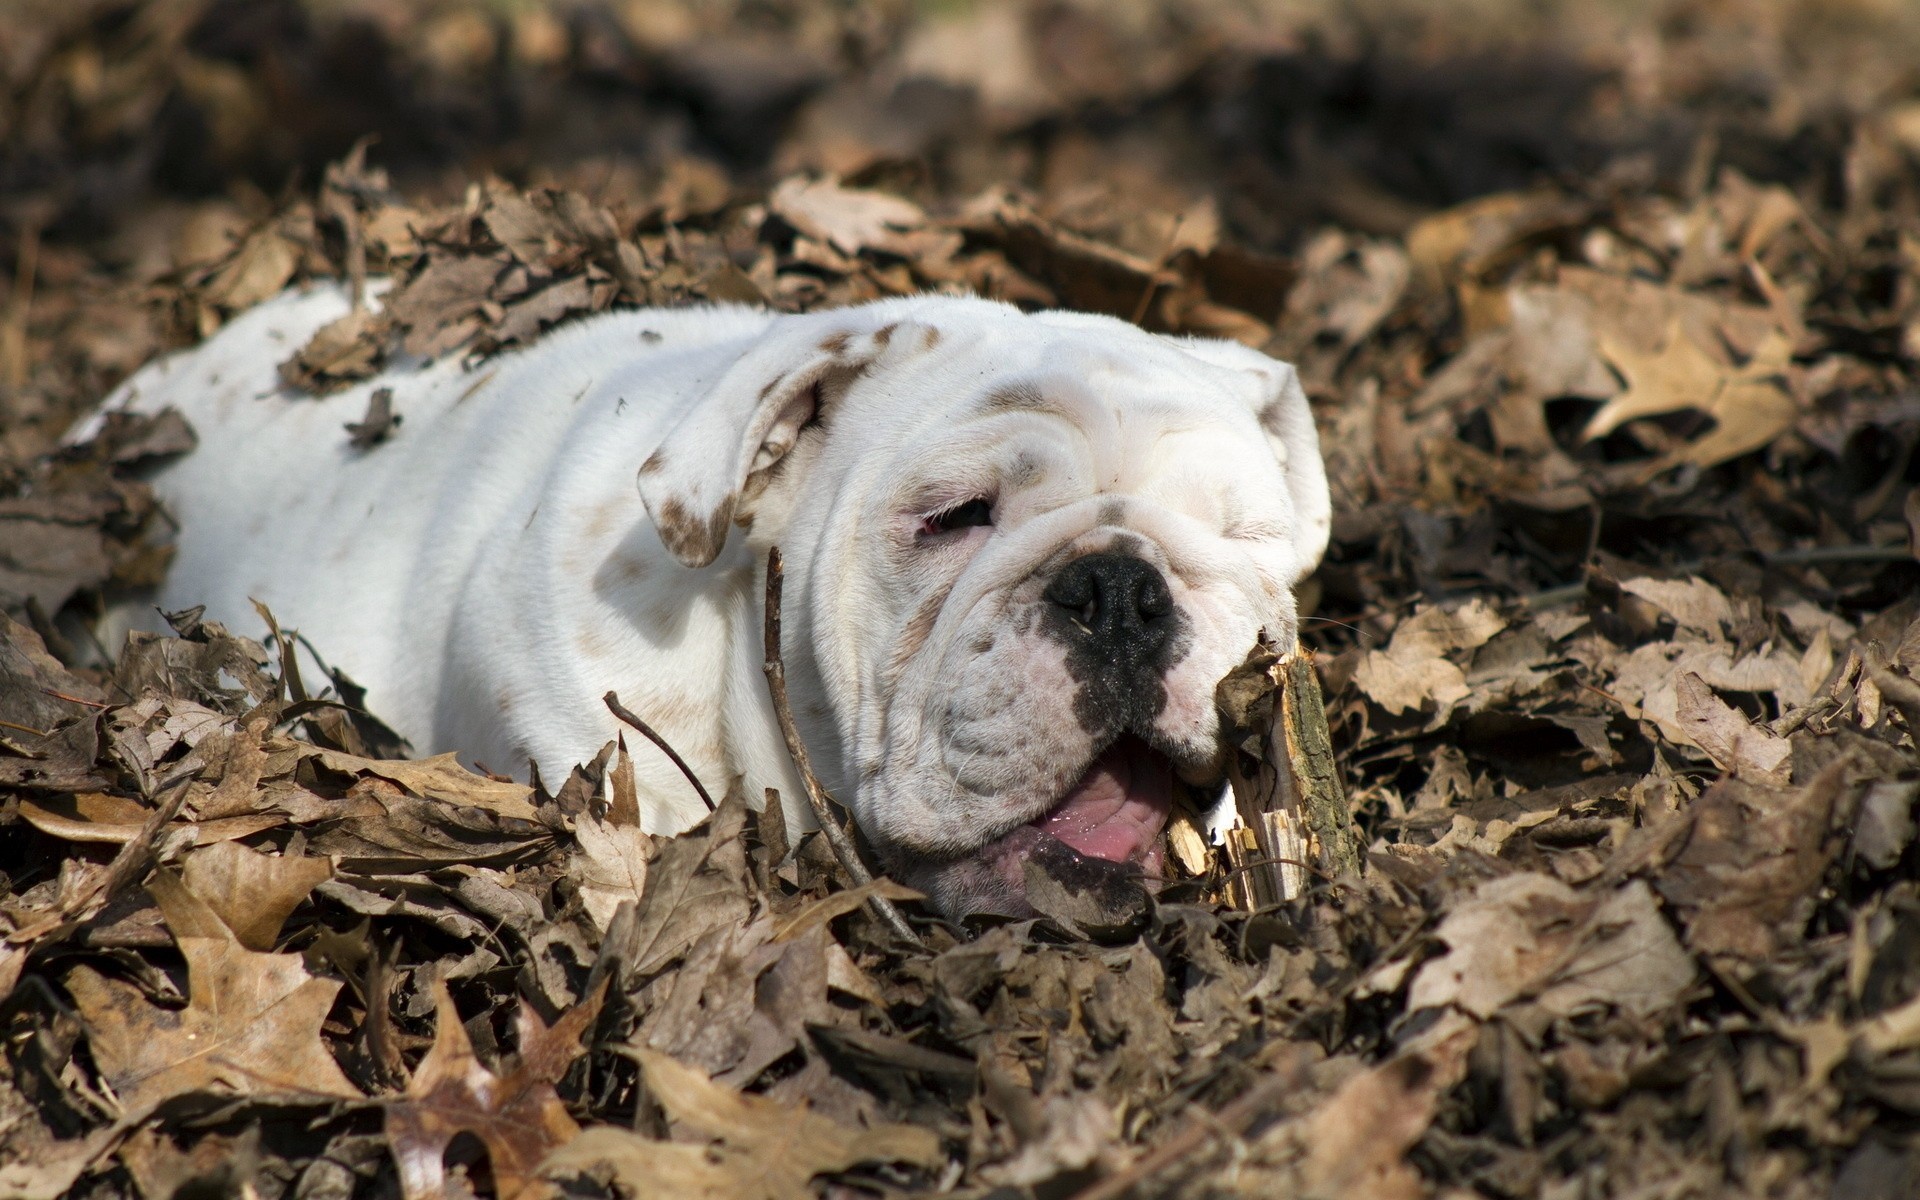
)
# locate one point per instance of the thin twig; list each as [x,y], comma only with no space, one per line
[830,827]
[612,700]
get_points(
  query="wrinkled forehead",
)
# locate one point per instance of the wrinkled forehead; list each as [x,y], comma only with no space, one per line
[1083,369]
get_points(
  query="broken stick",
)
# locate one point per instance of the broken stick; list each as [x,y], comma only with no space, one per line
[830,828]
[1285,784]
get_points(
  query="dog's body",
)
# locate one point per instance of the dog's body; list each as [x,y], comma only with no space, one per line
[1022,549]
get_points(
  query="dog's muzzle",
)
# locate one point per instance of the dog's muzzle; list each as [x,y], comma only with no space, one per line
[1117,620]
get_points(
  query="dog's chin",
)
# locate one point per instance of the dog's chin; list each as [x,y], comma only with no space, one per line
[1110,824]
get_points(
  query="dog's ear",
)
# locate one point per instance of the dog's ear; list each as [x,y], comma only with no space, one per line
[1280,405]
[747,420]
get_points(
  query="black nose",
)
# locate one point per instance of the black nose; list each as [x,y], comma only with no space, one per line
[1117,602]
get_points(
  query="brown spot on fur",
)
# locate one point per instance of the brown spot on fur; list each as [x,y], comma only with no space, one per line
[655,461]
[590,643]
[1018,397]
[629,568]
[773,385]
[836,343]
[1112,512]
[884,334]
[929,338]
[601,520]
[913,636]
[692,540]
[505,701]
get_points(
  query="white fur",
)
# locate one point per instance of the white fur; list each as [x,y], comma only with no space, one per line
[493,569]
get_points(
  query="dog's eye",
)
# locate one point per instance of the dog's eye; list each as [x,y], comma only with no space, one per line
[977,511]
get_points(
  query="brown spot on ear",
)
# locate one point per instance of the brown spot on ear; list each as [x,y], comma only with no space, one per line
[1270,418]
[773,385]
[884,334]
[655,462]
[693,541]
[1018,397]
[929,338]
[836,343]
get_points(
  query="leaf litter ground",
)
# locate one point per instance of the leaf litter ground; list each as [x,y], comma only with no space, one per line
[1610,322]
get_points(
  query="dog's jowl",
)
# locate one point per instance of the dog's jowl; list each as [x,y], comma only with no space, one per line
[1021,549]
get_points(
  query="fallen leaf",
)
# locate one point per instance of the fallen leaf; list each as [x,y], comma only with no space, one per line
[1748,409]
[251,1028]
[1691,602]
[1529,936]
[611,867]
[758,1149]
[1413,670]
[517,1116]
[1744,879]
[252,893]
[1737,745]
[1356,1141]
[440,778]
[377,425]
[849,219]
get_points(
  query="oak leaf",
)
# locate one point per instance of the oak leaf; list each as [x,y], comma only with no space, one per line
[251,1028]
[518,1116]
[1749,409]
[761,1149]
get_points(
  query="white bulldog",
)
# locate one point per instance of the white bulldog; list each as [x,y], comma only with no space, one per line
[1022,549]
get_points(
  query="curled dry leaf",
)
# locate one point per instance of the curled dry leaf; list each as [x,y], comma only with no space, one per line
[1737,745]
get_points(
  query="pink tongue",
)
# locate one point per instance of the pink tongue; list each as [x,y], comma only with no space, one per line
[1118,808]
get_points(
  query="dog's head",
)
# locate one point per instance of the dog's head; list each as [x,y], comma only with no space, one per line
[1023,550]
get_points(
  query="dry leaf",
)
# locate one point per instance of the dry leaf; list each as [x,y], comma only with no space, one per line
[1413,670]
[251,1028]
[252,893]
[1530,936]
[759,1149]
[440,778]
[1746,750]
[517,1116]
[1748,409]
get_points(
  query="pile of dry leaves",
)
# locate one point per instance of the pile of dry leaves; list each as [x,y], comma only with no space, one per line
[1619,632]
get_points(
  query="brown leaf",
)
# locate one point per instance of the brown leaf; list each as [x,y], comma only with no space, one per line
[251,1028]
[1356,1142]
[849,219]
[252,893]
[611,867]
[440,778]
[696,884]
[1413,670]
[1746,750]
[1748,409]
[1752,859]
[264,264]
[517,1116]
[340,352]
[1530,936]
[434,308]
[758,1149]
[377,425]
